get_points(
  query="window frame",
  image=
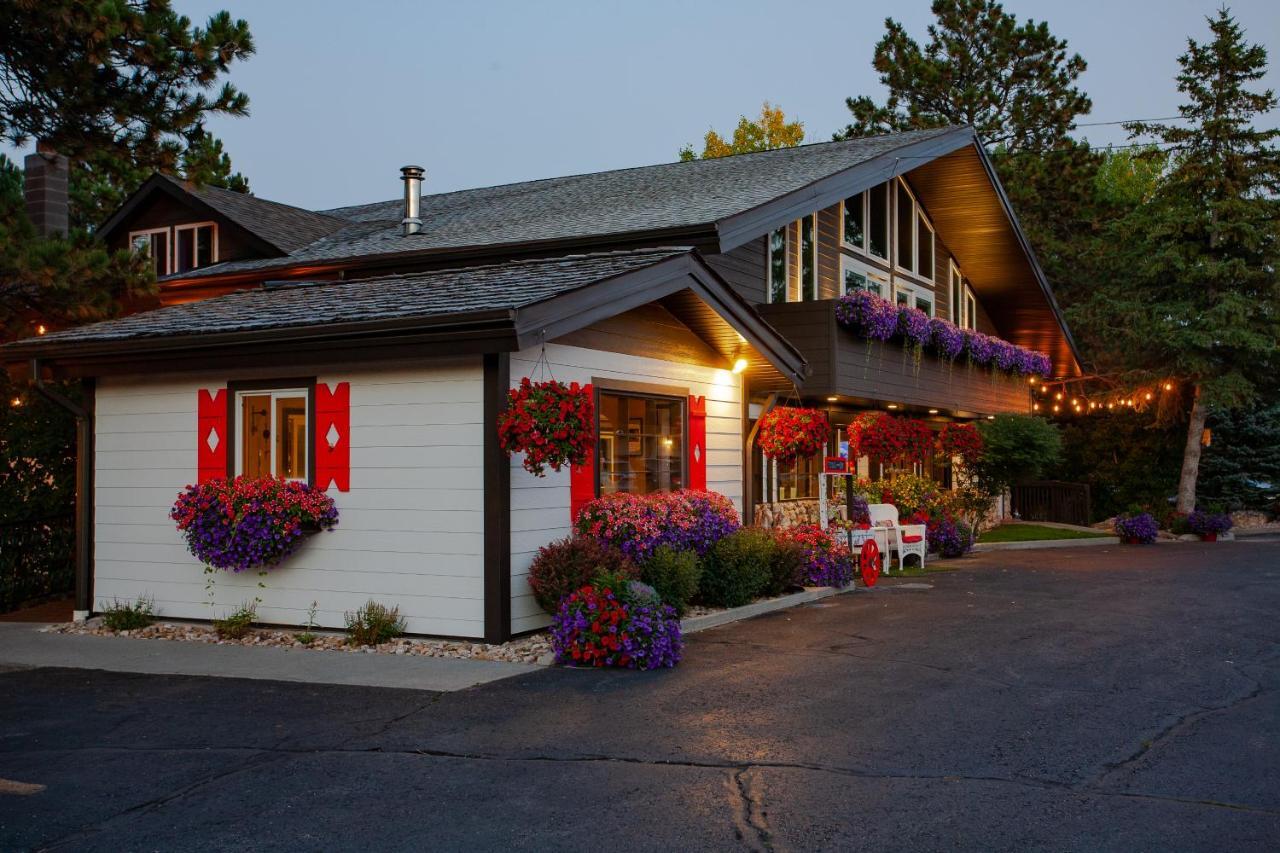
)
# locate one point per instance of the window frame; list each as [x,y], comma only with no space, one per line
[786,264]
[643,390]
[293,385]
[195,245]
[955,292]
[970,307]
[918,215]
[799,290]
[887,258]
[867,270]
[865,204]
[149,233]
[915,291]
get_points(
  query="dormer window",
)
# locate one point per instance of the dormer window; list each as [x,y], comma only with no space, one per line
[178,249]
[155,245]
[194,246]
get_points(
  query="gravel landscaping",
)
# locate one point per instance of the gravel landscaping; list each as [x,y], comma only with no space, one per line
[534,648]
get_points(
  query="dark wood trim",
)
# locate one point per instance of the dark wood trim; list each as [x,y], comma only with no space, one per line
[642,389]
[748,458]
[85,501]
[497,503]
[238,385]
[824,192]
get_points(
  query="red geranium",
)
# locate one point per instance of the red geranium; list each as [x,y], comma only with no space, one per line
[550,422]
[962,440]
[787,432]
[889,439]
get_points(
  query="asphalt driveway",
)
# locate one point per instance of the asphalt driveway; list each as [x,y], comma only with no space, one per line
[1113,698]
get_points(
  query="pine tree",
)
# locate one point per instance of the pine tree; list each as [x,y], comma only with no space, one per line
[1196,290]
[770,131]
[1015,84]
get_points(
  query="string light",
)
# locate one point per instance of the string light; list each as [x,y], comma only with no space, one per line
[16,402]
[1035,407]
[40,329]
[1148,395]
[1057,408]
[1058,396]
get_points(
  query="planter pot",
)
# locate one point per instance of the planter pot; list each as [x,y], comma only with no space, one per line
[1132,540]
[1208,537]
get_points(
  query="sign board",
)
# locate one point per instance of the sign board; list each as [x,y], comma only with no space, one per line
[835,465]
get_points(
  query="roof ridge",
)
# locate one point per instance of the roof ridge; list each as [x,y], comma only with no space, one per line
[674,163]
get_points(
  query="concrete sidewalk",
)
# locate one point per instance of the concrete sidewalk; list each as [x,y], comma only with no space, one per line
[25,646]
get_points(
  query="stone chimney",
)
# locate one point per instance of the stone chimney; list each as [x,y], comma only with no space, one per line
[45,190]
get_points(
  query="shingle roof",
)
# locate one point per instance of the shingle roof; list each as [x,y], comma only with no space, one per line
[509,285]
[646,198]
[286,227]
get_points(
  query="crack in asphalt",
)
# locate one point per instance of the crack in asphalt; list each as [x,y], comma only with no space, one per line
[750,820]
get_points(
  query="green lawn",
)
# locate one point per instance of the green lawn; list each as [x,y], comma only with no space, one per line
[1034,533]
[913,570]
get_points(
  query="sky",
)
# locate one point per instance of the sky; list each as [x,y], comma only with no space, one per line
[342,93]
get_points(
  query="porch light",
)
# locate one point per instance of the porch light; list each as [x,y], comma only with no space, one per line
[833,399]
[892,406]
[739,364]
[993,417]
[41,329]
[933,411]
[16,402]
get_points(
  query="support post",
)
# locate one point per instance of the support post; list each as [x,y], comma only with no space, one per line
[497,503]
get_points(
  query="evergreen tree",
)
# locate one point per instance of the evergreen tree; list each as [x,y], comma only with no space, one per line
[1195,289]
[770,131]
[1015,84]
[1241,468]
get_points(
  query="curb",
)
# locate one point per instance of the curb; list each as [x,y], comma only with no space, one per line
[1046,543]
[694,624]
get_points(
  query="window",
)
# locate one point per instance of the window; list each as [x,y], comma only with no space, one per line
[642,443]
[878,221]
[970,308]
[155,245]
[855,216]
[913,295]
[194,246]
[777,247]
[799,479]
[957,295]
[905,219]
[809,258]
[856,275]
[913,234]
[272,434]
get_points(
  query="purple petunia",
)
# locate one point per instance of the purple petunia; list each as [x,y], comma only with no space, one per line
[981,348]
[913,325]
[946,339]
[868,315]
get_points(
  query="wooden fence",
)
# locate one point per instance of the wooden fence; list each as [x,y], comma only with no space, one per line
[37,560]
[1051,500]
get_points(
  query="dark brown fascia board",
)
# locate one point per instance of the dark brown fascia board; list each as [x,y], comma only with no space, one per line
[1041,279]
[172,188]
[742,227]
[575,309]
[451,256]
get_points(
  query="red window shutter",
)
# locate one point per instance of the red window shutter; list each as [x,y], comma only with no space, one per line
[333,439]
[698,443]
[582,479]
[211,441]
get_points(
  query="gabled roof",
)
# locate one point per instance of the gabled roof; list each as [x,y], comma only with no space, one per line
[508,306]
[281,227]
[697,198]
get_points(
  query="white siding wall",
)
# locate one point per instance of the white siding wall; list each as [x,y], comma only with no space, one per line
[540,506]
[410,532]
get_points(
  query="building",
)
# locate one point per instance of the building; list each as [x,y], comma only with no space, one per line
[369,349]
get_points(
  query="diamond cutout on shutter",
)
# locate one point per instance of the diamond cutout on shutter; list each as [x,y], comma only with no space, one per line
[212,439]
[332,436]
[697,453]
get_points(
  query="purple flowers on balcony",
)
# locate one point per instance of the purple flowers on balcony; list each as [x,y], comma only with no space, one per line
[877,319]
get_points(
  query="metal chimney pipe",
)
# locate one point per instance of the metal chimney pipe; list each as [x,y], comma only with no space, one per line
[412,177]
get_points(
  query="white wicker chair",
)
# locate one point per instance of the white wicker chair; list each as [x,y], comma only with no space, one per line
[906,539]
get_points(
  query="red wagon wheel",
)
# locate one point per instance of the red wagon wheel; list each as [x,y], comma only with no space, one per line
[869,562]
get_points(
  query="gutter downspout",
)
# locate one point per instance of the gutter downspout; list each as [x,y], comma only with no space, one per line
[84,487]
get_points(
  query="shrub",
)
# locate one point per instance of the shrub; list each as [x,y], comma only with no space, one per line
[236,624]
[250,523]
[825,560]
[949,538]
[601,626]
[1205,523]
[638,524]
[1137,527]
[737,569]
[674,574]
[126,616]
[568,564]
[373,624]
[1176,522]
[1016,448]
[787,564]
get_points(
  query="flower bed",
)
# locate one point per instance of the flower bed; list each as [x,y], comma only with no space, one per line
[825,560]
[599,626]
[250,523]
[878,319]
[638,524]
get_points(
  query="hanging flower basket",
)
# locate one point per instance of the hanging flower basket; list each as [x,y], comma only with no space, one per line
[250,523]
[961,441]
[551,423]
[890,439]
[787,433]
